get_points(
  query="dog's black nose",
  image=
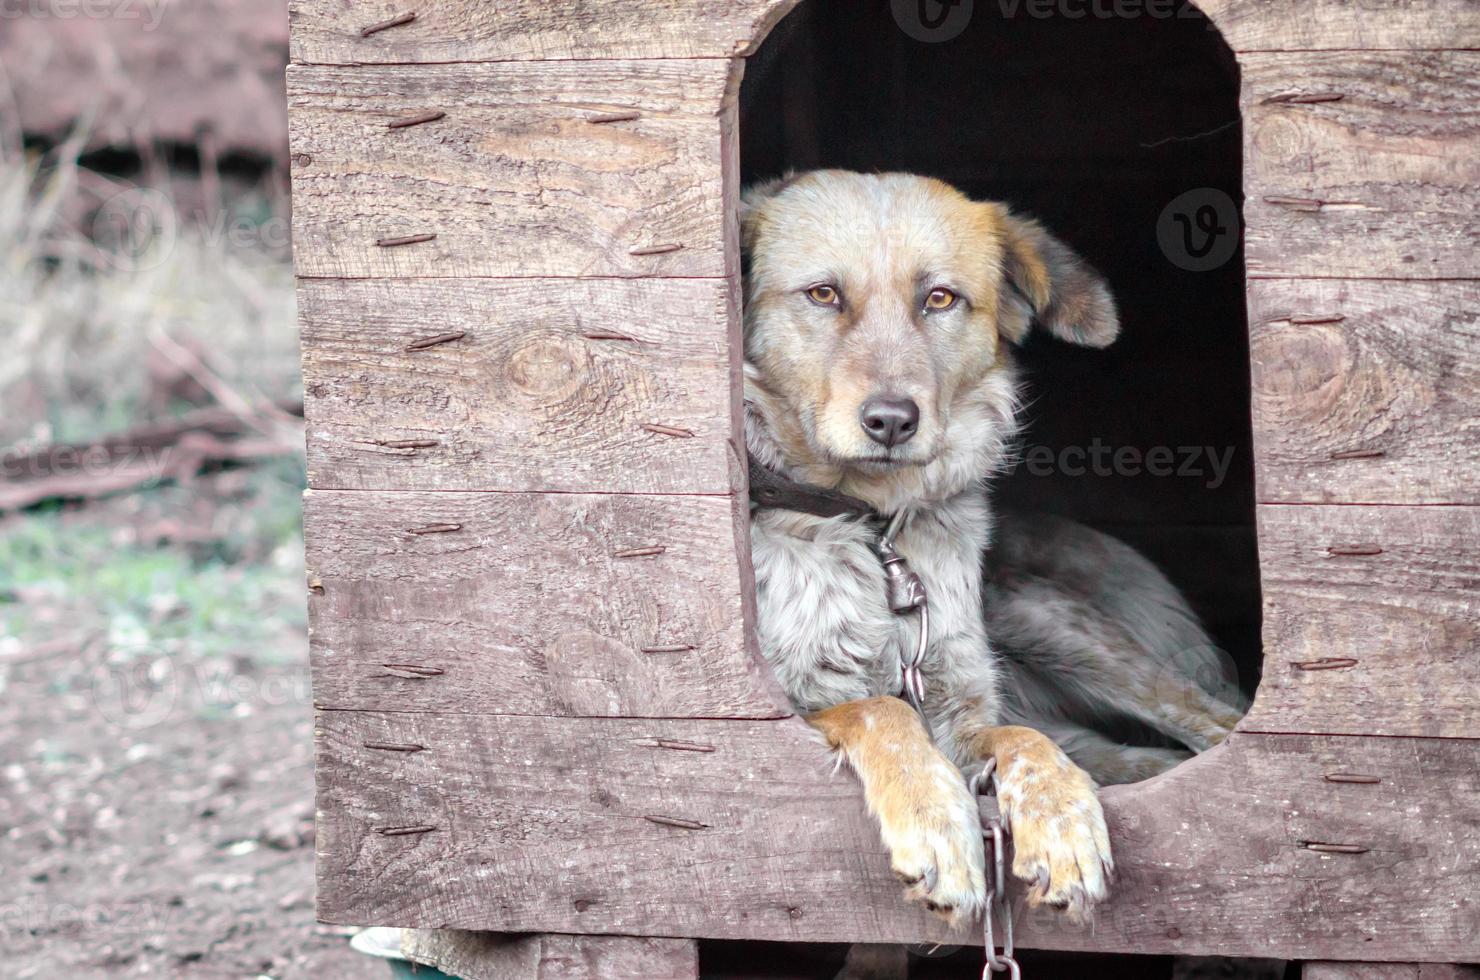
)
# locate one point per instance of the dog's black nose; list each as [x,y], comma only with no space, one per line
[889,420]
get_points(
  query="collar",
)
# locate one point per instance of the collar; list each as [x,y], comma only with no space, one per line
[771,490]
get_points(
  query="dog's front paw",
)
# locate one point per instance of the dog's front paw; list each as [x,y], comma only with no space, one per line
[1059,839]
[932,827]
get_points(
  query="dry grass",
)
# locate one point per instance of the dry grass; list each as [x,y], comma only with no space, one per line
[93,269]
[105,289]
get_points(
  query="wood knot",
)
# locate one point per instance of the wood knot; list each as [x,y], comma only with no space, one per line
[548,368]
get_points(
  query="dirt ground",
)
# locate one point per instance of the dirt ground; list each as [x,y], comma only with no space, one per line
[156,799]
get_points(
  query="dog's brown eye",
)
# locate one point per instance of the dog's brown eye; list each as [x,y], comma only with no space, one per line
[823,295]
[940,299]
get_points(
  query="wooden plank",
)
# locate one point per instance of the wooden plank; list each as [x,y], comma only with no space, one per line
[548,956]
[1308,25]
[1388,971]
[328,32]
[1376,177]
[1371,620]
[546,824]
[530,172]
[563,604]
[548,387]
[1366,392]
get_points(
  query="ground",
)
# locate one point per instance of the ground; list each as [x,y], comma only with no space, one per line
[156,796]
[156,732]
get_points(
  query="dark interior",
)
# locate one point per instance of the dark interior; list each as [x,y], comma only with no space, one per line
[1095,125]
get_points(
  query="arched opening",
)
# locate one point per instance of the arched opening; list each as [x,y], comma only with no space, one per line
[1118,127]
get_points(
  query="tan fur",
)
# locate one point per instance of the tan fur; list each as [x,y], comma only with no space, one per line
[882,243]
[1040,792]
[917,794]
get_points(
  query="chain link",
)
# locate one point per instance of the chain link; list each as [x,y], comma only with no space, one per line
[906,594]
[997,908]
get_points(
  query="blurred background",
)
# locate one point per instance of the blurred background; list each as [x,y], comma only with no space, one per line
[155,716]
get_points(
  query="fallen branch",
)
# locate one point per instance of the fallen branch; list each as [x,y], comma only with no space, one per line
[141,457]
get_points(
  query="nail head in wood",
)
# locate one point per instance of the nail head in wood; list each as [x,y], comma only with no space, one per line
[647,552]
[640,552]
[1353,550]
[395,746]
[414,672]
[668,430]
[1325,663]
[404,240]
[1296,203]
[615,117]
[435,529]
[1304,98]
[395,21]
[437,341]
[678,822]
[681,746]
[656,249]
[1324,848]
[416,120]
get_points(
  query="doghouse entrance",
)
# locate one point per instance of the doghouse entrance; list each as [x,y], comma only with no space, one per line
[1122,134]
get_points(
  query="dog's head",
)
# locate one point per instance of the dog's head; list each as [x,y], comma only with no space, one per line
[878,309]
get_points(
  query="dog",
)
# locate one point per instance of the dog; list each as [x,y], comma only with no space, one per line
[879,313]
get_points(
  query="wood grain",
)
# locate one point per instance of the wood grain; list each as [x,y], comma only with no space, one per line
[499,956]
[563,604]
[1383,180]
[1388,971]
[328,32]
[1307,25]
[1366,392]
[516,179]
[1402,624]
[548,387]
[545,824]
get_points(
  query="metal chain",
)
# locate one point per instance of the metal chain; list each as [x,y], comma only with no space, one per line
[982,784]
[906,594]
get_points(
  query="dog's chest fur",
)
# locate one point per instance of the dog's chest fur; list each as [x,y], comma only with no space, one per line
[823,620]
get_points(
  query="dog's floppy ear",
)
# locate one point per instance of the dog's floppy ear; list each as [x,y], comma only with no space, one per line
[1045,281]
[752,200]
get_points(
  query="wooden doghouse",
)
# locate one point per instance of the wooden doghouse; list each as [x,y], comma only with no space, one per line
[540,704]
